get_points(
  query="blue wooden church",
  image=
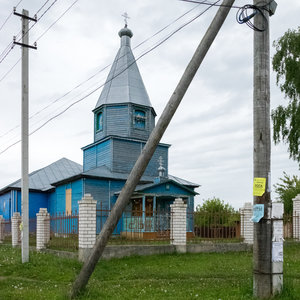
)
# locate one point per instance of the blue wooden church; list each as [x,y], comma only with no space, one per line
[123,121]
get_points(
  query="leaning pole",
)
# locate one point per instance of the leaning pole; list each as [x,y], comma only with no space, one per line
[155,137]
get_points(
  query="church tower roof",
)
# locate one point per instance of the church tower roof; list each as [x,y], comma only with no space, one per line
[124,83]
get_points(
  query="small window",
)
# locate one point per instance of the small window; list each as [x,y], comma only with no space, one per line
[99,121]
[139,119]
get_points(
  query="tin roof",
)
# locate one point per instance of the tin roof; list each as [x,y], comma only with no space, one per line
[43,178]
[144,187]
[124,83]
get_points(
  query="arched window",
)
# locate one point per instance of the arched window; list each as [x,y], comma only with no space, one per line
[139,119]
[99,121]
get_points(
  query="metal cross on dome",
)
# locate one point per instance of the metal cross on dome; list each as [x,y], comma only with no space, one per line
[125,15]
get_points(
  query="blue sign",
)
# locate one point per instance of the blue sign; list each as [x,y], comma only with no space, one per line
[258,212]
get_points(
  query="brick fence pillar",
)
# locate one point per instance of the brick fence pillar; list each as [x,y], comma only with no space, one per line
[296,217]
[246,223]
[1,228]
[87,226]
[15,229]
[178,225]
[42,228]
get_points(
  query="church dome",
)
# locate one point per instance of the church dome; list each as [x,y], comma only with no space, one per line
[124,83]
[125,31]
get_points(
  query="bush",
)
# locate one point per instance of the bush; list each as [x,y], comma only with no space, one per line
[215,212]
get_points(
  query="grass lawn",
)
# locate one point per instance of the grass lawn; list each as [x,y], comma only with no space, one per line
[185,276]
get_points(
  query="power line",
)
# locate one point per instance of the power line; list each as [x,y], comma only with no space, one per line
[3,77]
[12,45]
[8,17]
[42,7]
[38,19]
[9,48]
[210,3]
[97,88]
[98,72]
[57,20]
[6,51]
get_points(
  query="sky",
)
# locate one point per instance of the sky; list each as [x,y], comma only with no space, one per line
[212,131]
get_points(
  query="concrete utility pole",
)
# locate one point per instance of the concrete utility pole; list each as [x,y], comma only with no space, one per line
[267,280]
[150,147]
[24,133]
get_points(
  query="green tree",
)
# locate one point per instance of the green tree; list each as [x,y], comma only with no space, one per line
[287,189]
[286,119]
[215,212]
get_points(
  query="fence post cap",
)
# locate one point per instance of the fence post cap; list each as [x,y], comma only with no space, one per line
[297,198]
[87,198]
[248,205]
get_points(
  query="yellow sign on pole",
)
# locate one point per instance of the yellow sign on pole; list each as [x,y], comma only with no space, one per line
[259,186]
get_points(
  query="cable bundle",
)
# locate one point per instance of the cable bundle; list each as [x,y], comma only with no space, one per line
[242,16]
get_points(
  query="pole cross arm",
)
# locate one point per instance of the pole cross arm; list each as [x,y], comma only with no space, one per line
[25,45]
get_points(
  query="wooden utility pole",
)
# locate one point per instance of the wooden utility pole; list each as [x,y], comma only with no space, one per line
[148,150]
[262,243]
[24,133]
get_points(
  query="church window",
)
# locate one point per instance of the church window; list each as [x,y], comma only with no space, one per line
[99,121]
[139,119]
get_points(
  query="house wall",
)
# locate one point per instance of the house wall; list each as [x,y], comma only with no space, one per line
[5,205]
[97,155]
[52,202]
[36,201]
[11,202]
[59,205]
[149,124]
[168,189]
[104,192]
[120,155]
[118,120]
[126,153]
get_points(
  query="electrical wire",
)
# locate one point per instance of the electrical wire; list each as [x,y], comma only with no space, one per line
[19,36]
[56,20]
[210,3]
[98,87]
[12,45]
[94,75]
[4,76]
[8,17]
[6,51]
[242,16]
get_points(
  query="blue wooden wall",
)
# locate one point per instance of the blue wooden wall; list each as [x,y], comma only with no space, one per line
[168,189]
[126,153]
[103,191]
[97,155]
[120,155]
[59,205]
[118,120]
[5,205]
[12,200]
